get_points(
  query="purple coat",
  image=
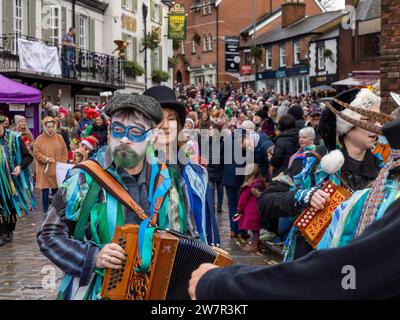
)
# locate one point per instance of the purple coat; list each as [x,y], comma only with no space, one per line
[251,218]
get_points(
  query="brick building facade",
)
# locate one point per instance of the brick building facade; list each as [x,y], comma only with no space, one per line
[390,52]
[220,19]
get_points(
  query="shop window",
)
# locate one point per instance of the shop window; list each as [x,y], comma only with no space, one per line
[370,46]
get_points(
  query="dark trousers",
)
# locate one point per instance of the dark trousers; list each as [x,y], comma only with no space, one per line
[6,228]
[45,198]
[233,200]
[217,185]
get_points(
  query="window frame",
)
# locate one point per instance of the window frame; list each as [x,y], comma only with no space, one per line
[268,58]
[183,50]
[282,62]
[210,42]
[19,20]
[204,42]
[321,57]
[296,52]
[194,46]
[53,27]
[83,27]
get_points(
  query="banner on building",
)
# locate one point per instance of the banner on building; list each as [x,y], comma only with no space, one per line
[177,23]
[232,54]
[37,57]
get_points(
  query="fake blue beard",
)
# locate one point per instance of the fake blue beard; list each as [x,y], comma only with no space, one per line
[127,158]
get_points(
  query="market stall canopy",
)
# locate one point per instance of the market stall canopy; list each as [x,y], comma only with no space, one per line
[360,79]
[15,92]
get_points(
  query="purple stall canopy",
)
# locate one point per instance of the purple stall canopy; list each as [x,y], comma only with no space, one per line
[15,92]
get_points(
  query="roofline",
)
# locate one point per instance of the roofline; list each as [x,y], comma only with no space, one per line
[260,21]
[270,19]
[312,32]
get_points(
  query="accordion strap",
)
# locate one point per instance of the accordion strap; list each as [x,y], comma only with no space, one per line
[112,186]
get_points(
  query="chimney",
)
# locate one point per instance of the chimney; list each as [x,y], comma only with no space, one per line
[292,11]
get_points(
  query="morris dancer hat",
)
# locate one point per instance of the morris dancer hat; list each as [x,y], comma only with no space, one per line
[346,111]
[167,99]
[144,105]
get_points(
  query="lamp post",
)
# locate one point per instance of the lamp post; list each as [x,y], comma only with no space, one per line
[145,11]
[254,44]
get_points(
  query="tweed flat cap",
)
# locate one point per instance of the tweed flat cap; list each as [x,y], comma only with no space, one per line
[144,105]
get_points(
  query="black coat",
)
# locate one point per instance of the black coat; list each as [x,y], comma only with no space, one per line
[320,275]
[215,165]
[101,132]
[286,145]
[231,178]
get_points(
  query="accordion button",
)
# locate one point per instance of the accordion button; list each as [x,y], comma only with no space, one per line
[304,225]
[299,224]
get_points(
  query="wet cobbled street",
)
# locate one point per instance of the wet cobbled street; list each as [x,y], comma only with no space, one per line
[25,274]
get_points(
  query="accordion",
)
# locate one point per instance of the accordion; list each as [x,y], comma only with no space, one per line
[313,223]
[174,258]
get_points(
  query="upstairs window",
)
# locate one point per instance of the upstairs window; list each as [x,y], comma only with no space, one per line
[282,56]
[296,52]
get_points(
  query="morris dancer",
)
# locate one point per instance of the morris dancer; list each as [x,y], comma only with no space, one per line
[16,187]
[191,194]
[350,163]
[84,256]
[379,229]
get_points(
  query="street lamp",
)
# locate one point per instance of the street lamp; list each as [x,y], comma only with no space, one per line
[145,11]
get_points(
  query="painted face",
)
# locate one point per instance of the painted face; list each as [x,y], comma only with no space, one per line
[305,140]
[127,153]
[168,129]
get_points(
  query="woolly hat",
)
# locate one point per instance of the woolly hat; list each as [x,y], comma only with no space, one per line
[18,118]
[91,142]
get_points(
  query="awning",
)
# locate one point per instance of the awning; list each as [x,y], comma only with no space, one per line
[360,79]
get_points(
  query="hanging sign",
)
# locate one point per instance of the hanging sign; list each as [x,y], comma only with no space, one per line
[177,23]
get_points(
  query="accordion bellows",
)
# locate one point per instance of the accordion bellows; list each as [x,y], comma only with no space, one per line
[313,223]
[174,259]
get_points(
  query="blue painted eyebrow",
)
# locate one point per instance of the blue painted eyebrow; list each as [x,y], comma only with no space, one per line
[135,126]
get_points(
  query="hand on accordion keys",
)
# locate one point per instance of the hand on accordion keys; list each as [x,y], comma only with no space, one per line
[111,256]
[319,199]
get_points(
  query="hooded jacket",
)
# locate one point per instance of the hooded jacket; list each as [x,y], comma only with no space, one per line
[285,146]
[48,146]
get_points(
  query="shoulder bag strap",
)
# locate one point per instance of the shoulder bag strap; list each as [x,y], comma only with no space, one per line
[112,186]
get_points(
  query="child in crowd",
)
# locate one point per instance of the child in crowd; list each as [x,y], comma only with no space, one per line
[74,145]
[80,155]
[248,215]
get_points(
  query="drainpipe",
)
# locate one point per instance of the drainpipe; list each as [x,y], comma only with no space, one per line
[217,77]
